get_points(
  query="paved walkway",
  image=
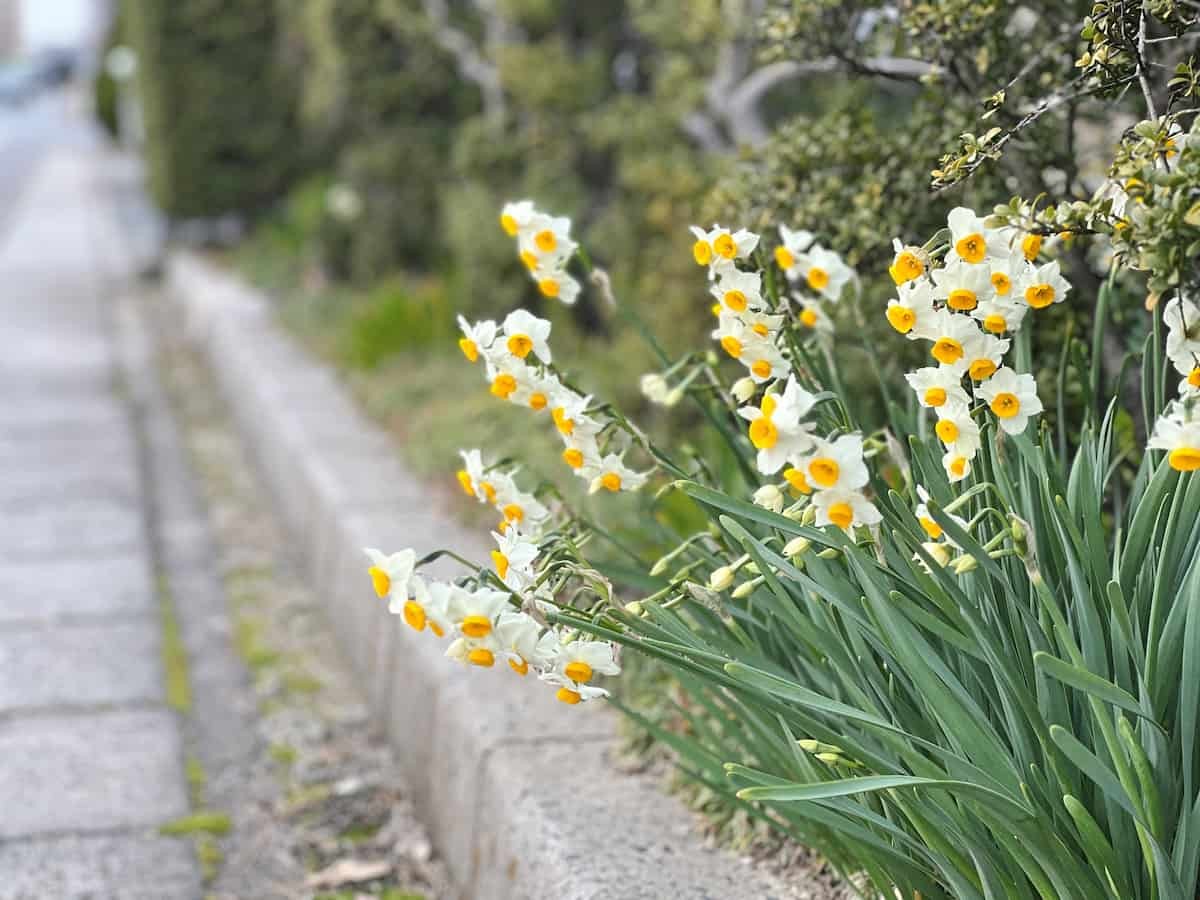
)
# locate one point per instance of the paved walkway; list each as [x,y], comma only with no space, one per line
[90,756]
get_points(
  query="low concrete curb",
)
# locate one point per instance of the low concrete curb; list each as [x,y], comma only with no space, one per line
[517,789]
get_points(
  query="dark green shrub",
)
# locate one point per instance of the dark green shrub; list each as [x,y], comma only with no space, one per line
[219,108]
[397,315]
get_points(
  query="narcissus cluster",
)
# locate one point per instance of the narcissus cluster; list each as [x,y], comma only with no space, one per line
[545,246]
[968,305]
[1177,431]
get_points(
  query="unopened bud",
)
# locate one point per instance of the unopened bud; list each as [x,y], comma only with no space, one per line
[720,579]
[939,552]
[654,388]
[797,546]
[810,515]
[743,389]
[830,553]
[661,566]
[808,745]
[832,758]
[634,608]
[769,497]
[673,397]
[746,588]
[965,564]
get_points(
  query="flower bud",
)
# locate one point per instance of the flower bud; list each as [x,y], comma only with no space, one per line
[673,397]
[634,608]
[746,588]
[808,745]
[743,389]
[797,546]
[809,516]
[720,579]
[769,497]
[654,387]
[832,758]
[965,564]
[830,553]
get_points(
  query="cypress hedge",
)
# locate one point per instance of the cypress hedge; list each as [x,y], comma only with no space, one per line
[220,109]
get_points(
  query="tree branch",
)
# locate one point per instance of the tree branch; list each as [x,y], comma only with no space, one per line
[471,63]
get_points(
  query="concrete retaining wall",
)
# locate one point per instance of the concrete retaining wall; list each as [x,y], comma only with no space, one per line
[517,789]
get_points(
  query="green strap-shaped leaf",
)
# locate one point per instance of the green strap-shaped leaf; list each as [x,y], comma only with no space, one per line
[1088,682]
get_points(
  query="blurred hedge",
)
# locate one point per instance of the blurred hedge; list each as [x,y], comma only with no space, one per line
[219,108]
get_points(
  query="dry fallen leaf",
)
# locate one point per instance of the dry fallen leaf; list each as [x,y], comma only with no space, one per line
[348,871]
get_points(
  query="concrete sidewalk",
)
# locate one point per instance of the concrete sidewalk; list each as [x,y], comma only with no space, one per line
[90,756]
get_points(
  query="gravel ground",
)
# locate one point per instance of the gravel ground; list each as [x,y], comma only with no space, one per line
[316,805]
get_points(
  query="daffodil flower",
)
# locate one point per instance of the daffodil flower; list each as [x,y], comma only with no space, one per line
[718,247]
[935,386]
[390,573]
[776,429]
[957,464]
[513,558]
[571,692]
[482,652]
[1012,397]
[812,315]
[930,527]
[517,216]
[1005,272]
[739,291]
[908,263]
[823,271]
[523,642]
[424,607]
[952,337]
[1182,318]
[474,613]
[1000,315]
[611,474]
[533,389]
[477,338]
[911,312]
[957,431]
[1177,431]
[581,451]
[1044,285]
[568,410]
[556,284]
[985,353]
[525,333]
[962,285]
[794,243]
[844,508]
[971,240]
[581,661]
[837,464]
[548,240]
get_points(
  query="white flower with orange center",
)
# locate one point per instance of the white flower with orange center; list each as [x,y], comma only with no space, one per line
[581,661]
[513,558]
[1177,432]
[581,451]
[1004,273]
[764,360]
[738,291]
[1030,246]
[474,613]
[1000,315]
[957,431]
[935,386]
[569,412]
[556,284]
[424,607]
[548,240]
[971,240]
[732,333]
[524,333]
[909,263]
[957,465]
[1012,397]
[517,507]
[776,429]
[517,216]
[474,479]
[812,316]
[962,285]
[823,271]
[477,338]
[793,244]
[953,337]
[837,464]
[1042,286]
[718,247]
[844,508]
[986,353]
[572,692]
[390,572]
[612,475]
[524,644]
[534,389]
[926,521]
[910,312]
[482,652]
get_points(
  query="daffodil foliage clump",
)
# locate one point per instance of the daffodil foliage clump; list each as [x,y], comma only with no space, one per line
[959,662]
